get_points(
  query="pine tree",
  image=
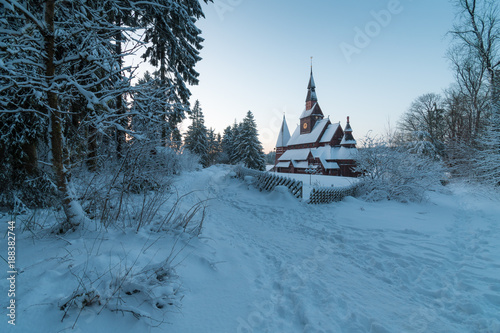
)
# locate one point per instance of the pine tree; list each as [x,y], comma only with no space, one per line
[234,153]
[173,43]
[214,147]
[176,140]
[196,137]
[227,145]
[150,108]
[249,147]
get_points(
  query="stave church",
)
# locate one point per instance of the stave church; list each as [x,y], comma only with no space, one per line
[317,145]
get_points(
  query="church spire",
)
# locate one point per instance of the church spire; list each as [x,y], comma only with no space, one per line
[284,135]
[313,112]
[311,92]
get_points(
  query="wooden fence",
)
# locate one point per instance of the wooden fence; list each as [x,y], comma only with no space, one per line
[323,195]
[319,195]
[266,181]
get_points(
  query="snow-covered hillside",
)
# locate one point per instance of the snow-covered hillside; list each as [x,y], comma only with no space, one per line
[266,262]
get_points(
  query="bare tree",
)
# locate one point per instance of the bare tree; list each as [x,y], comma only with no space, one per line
[477,33]
[425,115]
[395,173]
[471,88]
[478,29]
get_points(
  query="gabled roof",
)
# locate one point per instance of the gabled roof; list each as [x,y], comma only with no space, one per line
[285,164]
[330,165]
[330,132]
[284,135]
[295,155]
[300,165]
[298,139]
[346,141]
[327,155]
[315,110]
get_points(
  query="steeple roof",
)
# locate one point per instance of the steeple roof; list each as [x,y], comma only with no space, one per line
[311,90]
[284,135]
[348,139]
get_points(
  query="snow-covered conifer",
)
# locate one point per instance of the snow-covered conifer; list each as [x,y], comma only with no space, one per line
[173,48]
[227,145]
[234,153]
[196,140]
[249,147]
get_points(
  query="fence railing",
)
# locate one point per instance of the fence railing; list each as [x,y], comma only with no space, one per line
[266,181]
[323,195]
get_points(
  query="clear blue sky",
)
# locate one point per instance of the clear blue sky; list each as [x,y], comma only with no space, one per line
[256,57]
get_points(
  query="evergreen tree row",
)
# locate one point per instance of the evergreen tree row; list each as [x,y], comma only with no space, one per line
[239,143]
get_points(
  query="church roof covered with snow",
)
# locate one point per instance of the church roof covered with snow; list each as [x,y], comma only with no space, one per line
[311,137]
[284,135]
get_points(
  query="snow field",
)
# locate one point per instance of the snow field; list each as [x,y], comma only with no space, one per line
[266,262]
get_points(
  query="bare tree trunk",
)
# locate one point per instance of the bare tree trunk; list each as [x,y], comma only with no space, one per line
[56,134]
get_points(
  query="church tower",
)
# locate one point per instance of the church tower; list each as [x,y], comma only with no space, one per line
[312,112]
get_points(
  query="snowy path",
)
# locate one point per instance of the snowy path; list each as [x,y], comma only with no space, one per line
[266,262]
[270,264]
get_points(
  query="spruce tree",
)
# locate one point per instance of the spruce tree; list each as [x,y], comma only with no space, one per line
[196,137]
[176,139]
[249,147]
[227,145]
[234,154]
[173,46]
[214,147]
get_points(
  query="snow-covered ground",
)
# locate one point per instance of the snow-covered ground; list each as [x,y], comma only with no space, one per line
[266,262]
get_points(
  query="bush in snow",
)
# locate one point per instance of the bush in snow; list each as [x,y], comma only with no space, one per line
[115,282]
[145,170]
[21,190]
[395,173]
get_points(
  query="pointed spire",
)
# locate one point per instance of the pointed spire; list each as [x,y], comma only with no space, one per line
[312,105]
[284,135]
[311,92]
[348,126]
[348,140]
